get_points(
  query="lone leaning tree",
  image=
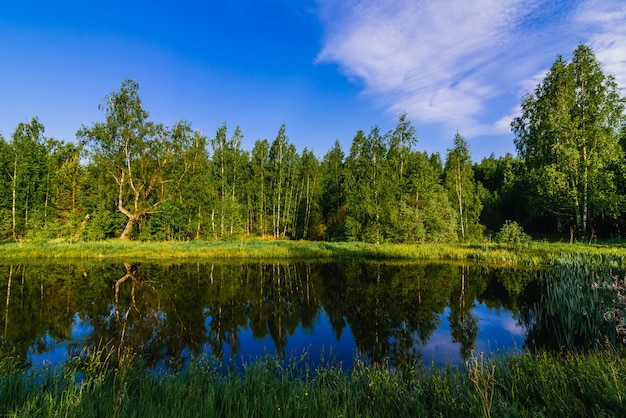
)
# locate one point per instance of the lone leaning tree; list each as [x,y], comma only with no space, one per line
[140,157]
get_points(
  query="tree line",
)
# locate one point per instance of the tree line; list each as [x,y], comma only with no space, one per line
[130,177]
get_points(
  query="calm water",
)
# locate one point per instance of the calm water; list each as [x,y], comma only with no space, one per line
[433,312]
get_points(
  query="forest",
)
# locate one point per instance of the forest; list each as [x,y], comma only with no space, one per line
[130,177]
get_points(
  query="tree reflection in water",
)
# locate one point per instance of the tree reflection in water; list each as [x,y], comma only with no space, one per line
[170,313]
[463,325]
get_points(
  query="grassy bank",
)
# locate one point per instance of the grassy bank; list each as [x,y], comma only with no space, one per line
[520,385]
[534,254]
[241,249]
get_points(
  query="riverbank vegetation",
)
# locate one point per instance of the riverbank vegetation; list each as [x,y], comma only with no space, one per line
[535,254]
[573,384]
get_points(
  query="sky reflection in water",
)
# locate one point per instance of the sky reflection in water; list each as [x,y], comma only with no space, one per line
[332,311]
[499,332]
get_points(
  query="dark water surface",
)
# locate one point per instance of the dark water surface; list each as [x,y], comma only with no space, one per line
[431,312]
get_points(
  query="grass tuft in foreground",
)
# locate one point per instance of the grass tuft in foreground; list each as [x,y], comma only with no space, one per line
[591,384]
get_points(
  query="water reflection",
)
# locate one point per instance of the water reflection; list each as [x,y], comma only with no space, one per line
[170,313]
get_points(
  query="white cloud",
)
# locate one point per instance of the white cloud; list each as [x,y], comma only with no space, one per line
[503,124]
[433,59]
[453,62]
[511,325]
[606,23]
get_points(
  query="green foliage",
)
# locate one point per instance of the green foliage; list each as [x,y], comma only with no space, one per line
[258,189]
[5,223]
[366,177]
[568,136]
[463,190]
[393,193]
[512,234]
[143,161]
[195,192]
[308,217]
[228,164]
[505,191]
[429,216]
[25,172]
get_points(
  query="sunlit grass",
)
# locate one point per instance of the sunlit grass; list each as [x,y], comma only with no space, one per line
[535,254]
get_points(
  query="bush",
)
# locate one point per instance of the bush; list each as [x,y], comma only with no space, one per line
[512,234]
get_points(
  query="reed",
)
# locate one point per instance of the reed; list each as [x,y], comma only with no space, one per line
[583,301]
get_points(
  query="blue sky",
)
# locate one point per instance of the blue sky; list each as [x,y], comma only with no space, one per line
[325,68]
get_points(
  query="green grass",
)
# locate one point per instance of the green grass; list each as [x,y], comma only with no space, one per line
[591,384]
[537,253]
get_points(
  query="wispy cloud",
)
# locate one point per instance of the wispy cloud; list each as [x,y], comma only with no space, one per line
[605,21]
[463,64]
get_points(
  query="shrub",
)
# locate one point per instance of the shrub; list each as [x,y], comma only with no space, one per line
[513,234]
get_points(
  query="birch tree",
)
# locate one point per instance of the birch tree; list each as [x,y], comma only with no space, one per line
[5,199]
[568,135]
[281,161]
[463,189]
[258,185]
[228,166]
[309,218]
[136,153]
[67,187]
[333,199]
[365,188]
[428,215]
[27,172]
[400,149]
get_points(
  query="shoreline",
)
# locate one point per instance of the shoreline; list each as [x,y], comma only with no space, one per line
[534,254]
